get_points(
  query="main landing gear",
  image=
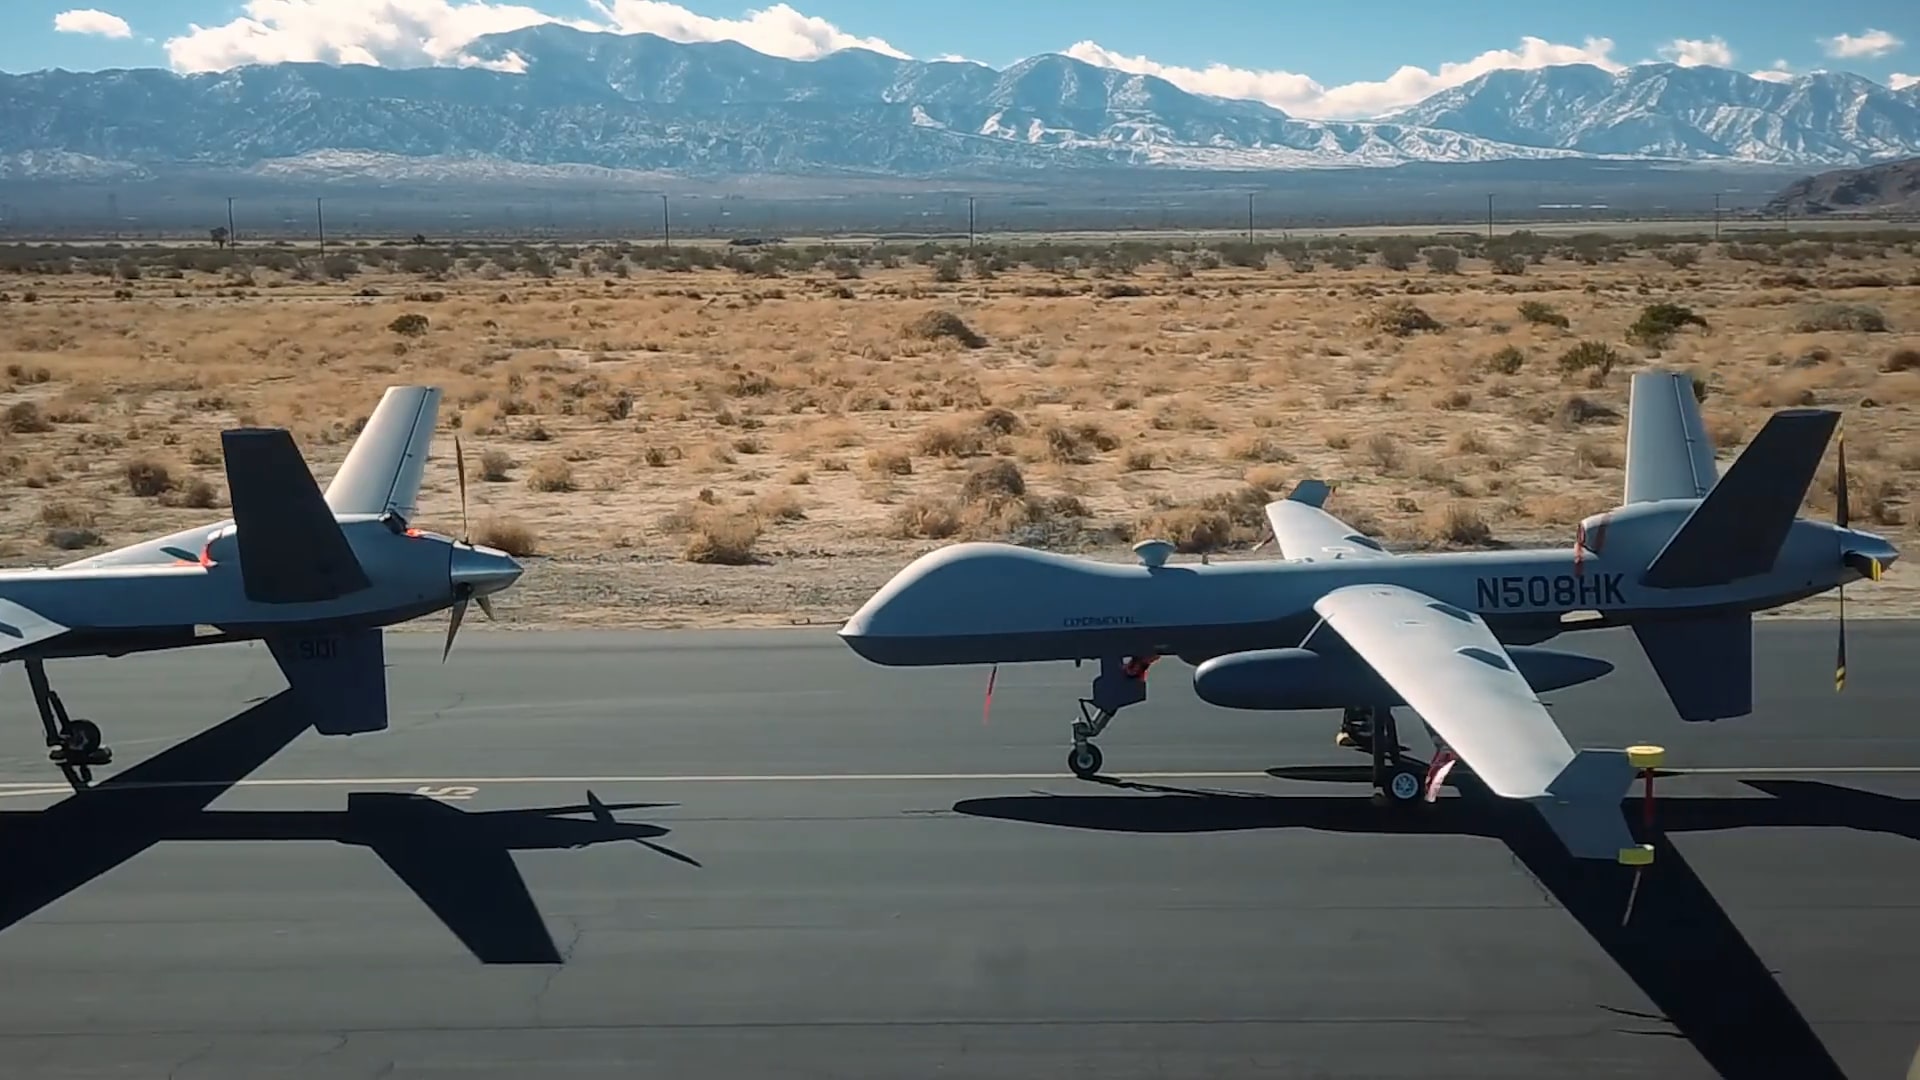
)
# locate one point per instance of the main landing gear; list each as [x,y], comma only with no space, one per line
[1122,682]
[75,745]
[1373,732]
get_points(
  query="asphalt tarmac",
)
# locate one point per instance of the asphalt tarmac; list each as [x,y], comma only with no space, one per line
[752,855]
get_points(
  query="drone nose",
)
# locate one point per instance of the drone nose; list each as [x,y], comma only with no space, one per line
[483,570]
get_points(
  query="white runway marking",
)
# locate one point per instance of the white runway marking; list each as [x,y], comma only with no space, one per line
[461,787]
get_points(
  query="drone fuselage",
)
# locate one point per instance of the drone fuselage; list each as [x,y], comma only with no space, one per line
[986,603]
[111,608]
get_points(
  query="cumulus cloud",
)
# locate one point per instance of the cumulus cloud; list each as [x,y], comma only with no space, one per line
[1901,82]
[1868,45]
[1301,95]
[1692,52]
[777,31]
[421,33]
[1778,71]
[90,21]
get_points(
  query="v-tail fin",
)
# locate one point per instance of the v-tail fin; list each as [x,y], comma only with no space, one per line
[1669,455]
[291,548]
[1704,663]
[1737,530]
[339,678]
[383,468]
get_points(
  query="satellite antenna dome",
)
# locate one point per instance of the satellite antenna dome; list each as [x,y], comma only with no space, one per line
[1153,553]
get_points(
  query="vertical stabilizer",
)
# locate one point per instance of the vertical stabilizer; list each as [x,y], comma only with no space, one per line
[383,469]
[1668,453]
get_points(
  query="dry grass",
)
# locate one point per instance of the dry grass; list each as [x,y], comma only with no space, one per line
[1077,401]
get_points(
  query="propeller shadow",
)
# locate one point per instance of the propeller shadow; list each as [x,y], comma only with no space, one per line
[459,863]
[1679,946]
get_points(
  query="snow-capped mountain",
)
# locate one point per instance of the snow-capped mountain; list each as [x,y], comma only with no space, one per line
[1689,113]
[551,101]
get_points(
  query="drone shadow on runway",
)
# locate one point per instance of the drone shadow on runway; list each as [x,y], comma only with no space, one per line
[459,863]
[1680,947]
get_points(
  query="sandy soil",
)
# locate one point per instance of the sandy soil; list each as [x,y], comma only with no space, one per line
[679,441]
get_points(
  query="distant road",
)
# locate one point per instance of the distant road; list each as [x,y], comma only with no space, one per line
[1612,227]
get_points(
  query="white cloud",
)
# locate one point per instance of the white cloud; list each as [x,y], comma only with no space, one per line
[1870,44]
[90,21]
[1900,82]
[419,33]
[1692,52]
[777,31]
[1301,95]
[1778,71]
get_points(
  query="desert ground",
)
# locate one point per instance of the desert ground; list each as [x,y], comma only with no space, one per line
[762,435]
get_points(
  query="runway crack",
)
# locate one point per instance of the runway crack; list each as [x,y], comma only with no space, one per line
[187,1062]
[578,929]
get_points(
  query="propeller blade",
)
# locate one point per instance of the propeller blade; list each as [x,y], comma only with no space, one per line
[486,607]
[1840,512]
[986,709]
[453,625]
[460,467]
[1840,653]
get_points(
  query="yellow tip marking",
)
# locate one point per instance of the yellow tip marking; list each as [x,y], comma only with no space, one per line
[1637,855]
[1646,757]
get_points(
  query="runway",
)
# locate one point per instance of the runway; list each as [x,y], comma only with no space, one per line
[750,854]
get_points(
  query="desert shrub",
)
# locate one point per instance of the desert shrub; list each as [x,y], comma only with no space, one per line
[1577,410]
[1594,357]
[1508,361]
[1442,260]
[722,537]
[495,465]
[935,325]
[412,324]
[1857,318]
[193,493]
[1659,322]
[1541,313]
[1457,523]
[73,538]
[996,479]
[1681,257]
[25,418]
[1509,263]
[514,537]
[1901,360]
[551,474]
[148,478]
[66,515]
[889,461]
[1401,318]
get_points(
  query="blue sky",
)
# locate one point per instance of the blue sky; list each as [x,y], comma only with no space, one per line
[1310,57]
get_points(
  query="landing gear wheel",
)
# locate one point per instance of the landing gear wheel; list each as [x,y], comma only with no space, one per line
[82,737]
[1084,761]
[1405,785]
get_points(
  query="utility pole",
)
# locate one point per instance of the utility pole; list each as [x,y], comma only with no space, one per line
[1249,217]
[666,222]
[232,237]
[970,220]
[1716,217]
[1489,217]
[320,218]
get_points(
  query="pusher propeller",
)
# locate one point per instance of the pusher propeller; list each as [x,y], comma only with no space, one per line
[462,591]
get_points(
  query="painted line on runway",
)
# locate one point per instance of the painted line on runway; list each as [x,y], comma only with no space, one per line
[22,790]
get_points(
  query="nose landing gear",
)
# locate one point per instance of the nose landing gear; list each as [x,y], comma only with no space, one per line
[76,746]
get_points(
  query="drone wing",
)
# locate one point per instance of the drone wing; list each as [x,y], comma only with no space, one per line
[1302,530]
[22,627]
[1450,669]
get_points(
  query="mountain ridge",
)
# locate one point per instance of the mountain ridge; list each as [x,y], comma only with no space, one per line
[553,97]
